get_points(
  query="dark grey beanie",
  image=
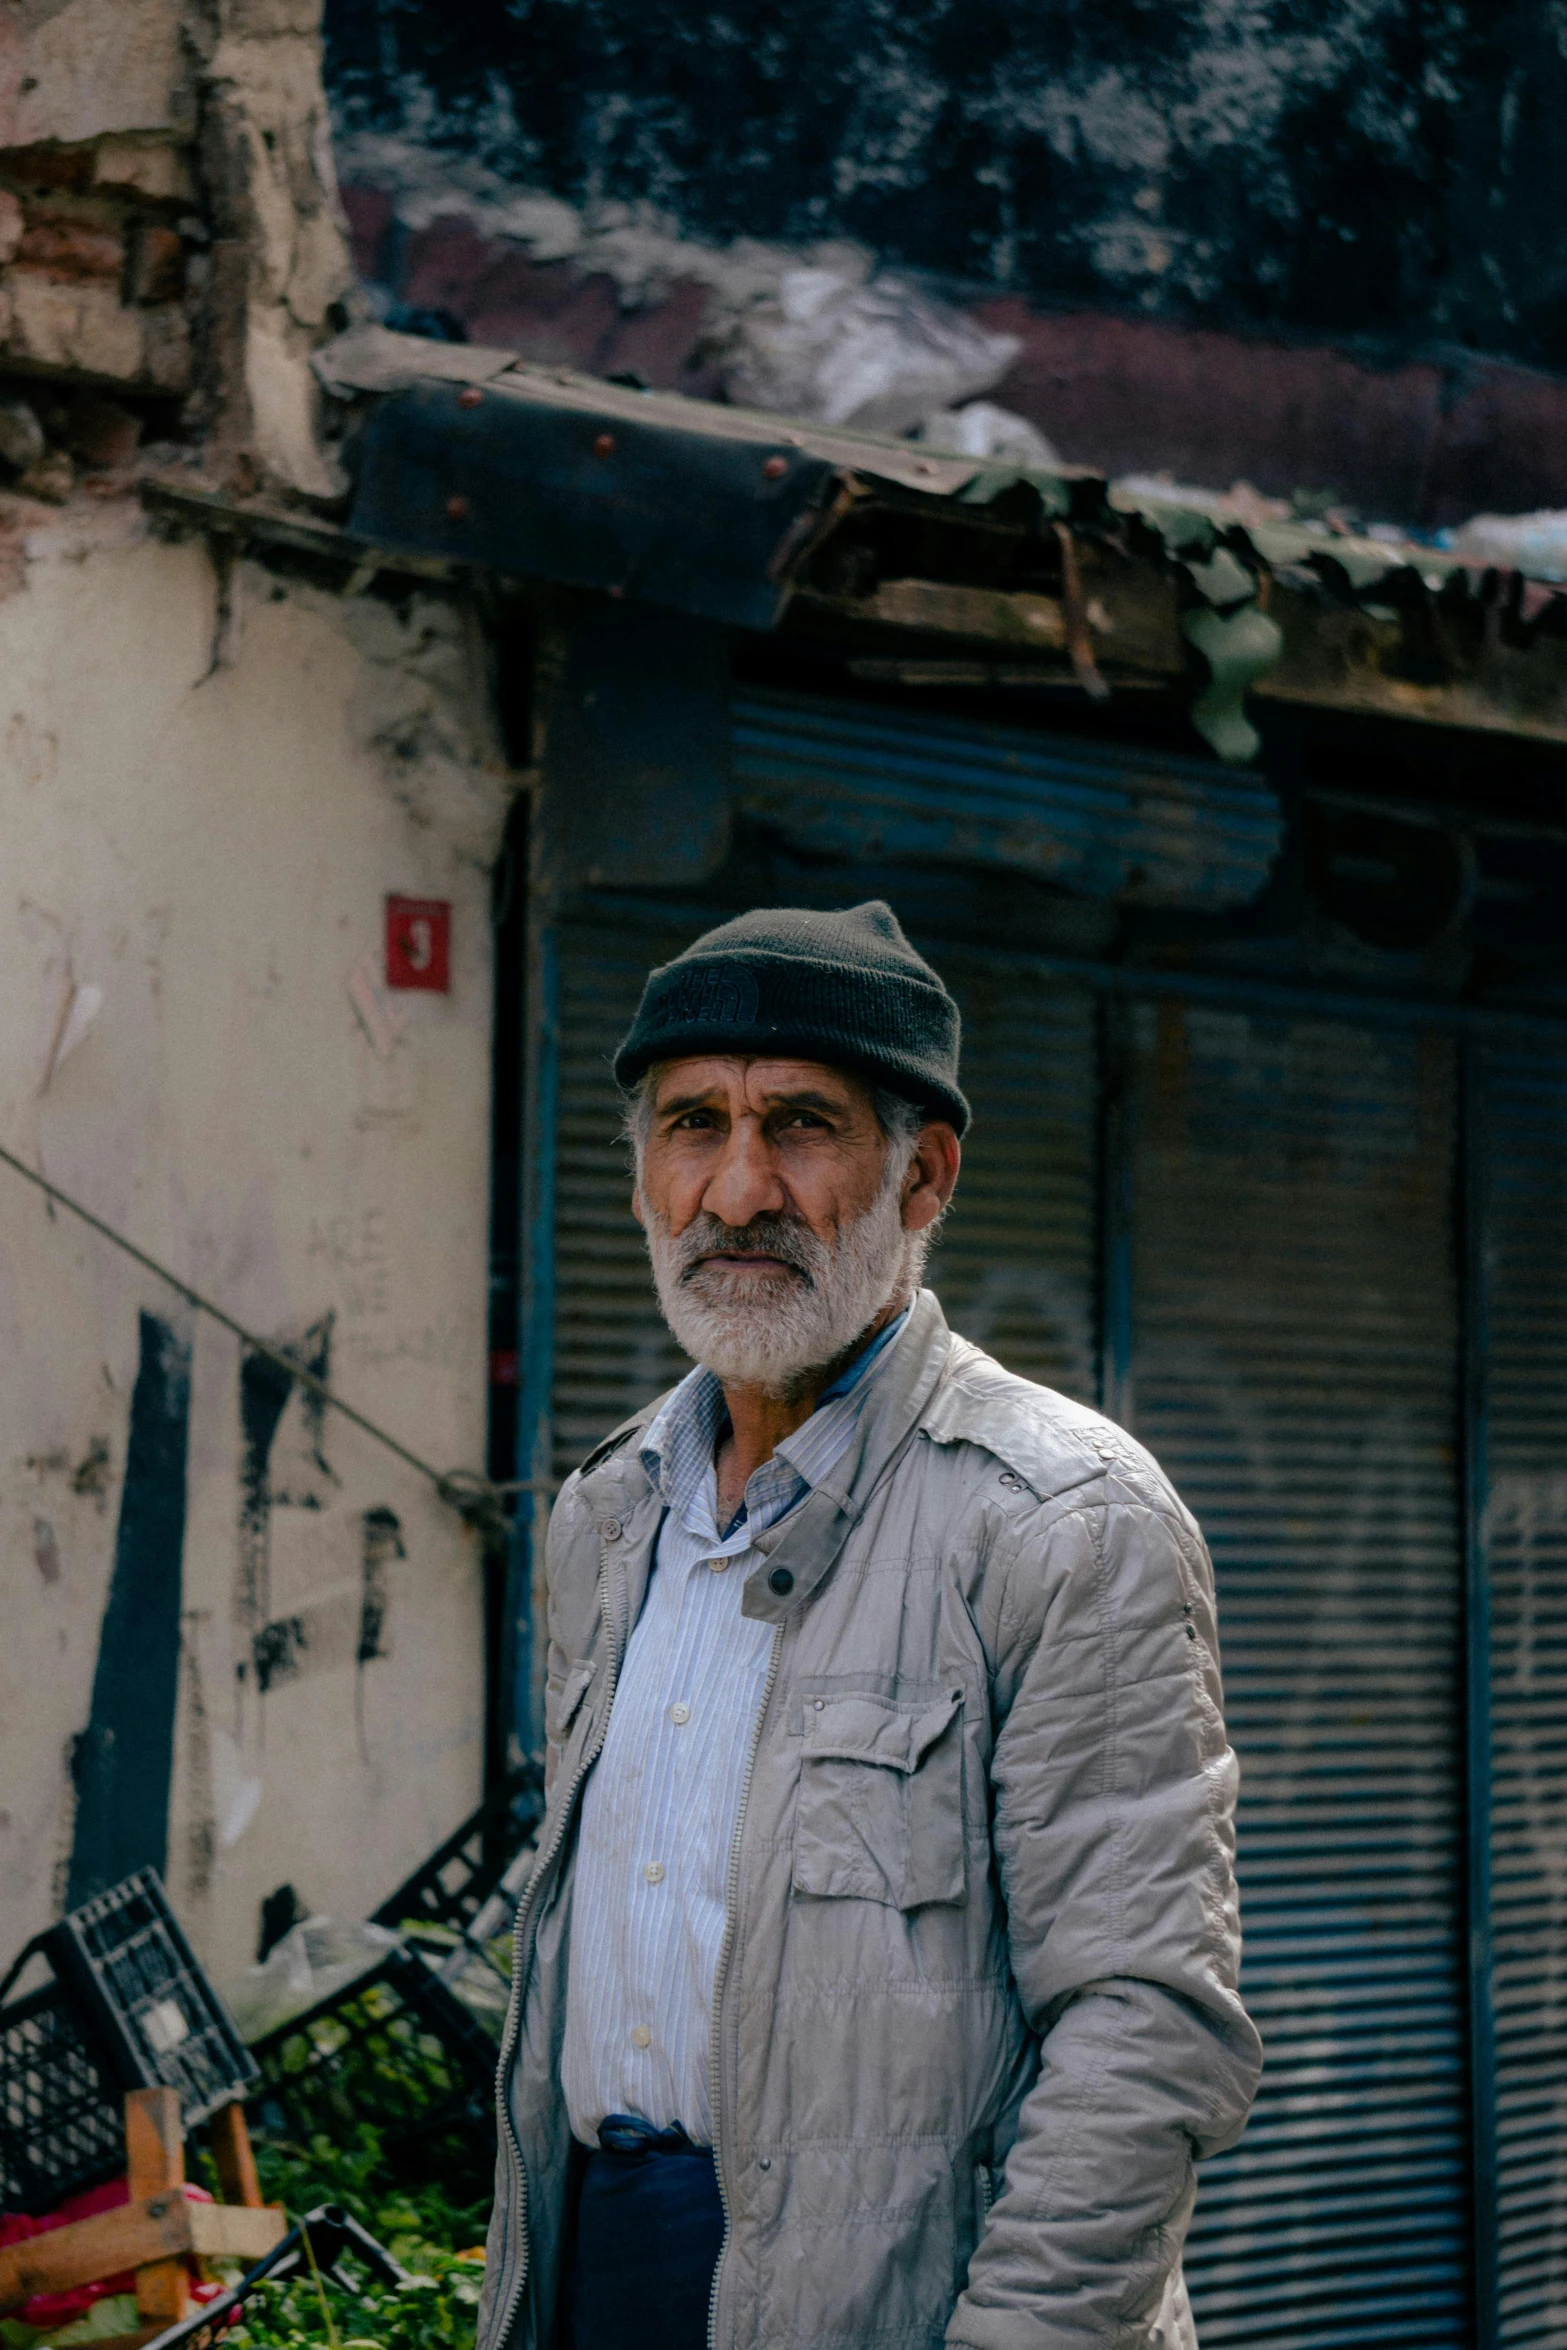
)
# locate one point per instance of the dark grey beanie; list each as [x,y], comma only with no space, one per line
[843,988]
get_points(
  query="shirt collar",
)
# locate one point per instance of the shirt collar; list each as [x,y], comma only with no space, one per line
[677,1444]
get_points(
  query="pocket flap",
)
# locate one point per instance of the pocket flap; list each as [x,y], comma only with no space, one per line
[572,1691]
[874,1730]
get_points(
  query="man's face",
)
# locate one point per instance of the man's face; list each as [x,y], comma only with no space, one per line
[738,1139]
[781,1220]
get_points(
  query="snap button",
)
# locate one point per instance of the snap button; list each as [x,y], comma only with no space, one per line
[764,2162]
[611,1529]
[820,1704]
[781,1581]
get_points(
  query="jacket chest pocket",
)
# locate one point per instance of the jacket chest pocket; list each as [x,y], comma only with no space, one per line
[879,1815]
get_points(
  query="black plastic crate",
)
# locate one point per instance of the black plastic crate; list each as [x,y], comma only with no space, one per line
[126,2005]
[398,2050]
[62,2119]
[448,1891]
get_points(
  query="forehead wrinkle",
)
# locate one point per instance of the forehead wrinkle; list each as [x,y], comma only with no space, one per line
[732,1074]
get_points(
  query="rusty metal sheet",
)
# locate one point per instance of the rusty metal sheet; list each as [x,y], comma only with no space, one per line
[516,486]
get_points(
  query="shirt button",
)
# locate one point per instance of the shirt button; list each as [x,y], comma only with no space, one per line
[641,2037]
[654,1872]
[718,1565]
[612,1529]
[680,1715]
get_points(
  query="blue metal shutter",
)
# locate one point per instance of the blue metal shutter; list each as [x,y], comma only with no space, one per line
[612,1350]
[1293,1365]
[1106,820]
[1016,1266]
[1522,1131]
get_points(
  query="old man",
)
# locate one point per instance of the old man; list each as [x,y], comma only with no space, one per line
[876,1981]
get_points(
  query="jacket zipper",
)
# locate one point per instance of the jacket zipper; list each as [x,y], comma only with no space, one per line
[715,2042]
[524,1918]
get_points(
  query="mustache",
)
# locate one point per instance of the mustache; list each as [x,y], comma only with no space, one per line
[708,1236]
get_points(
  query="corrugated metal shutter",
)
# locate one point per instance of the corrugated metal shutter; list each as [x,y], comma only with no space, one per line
[1015,1268]
[612,1351]
[1107,820]
[1016,1265]
[1522,1129]
[1294,1367]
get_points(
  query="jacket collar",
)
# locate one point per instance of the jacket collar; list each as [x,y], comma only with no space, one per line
[805,1544]
[621,1496]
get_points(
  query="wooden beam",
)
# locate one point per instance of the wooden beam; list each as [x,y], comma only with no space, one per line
[153,2231]
[229,2135]
[234,2231]
[1131,612]
[155,2172]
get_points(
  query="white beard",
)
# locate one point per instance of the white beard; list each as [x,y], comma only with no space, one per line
[773,1331]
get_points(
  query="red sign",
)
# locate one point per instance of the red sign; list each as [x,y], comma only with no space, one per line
[419,943]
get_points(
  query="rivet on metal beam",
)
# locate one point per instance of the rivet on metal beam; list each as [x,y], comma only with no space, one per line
[604,446]
[457,509]
[775,468]
[469,396]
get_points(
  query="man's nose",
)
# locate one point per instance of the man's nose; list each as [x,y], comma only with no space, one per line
[745,1182]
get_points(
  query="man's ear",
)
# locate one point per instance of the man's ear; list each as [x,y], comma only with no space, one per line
[932,1175]
[636,1205]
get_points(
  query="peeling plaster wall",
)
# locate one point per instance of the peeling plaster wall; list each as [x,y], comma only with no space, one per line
[196,862]
[1388,168]
[169,221]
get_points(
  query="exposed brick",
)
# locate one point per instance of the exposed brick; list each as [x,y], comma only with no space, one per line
[155,170]
[70,251]
[155,268]
[83,327]
[12,223]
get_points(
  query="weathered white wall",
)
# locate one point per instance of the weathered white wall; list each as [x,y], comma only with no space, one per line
[210,848]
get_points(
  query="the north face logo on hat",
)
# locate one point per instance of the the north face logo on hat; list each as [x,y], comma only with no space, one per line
[719,995]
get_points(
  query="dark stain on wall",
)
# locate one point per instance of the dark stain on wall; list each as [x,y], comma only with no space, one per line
[1387,169]
[264,1391]
[383,1542]
[124,1761]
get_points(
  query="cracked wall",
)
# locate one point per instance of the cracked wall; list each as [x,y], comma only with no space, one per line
[197,860]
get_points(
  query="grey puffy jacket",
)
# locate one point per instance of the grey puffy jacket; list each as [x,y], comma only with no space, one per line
[976,2013]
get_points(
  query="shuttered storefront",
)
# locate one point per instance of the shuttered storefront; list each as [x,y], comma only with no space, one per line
[1294,1365]
[1256,1258]
[1522,1136]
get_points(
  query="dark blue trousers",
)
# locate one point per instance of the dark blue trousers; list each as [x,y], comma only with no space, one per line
[649,2227]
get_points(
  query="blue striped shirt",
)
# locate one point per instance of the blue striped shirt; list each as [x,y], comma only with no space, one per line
[661,1808]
